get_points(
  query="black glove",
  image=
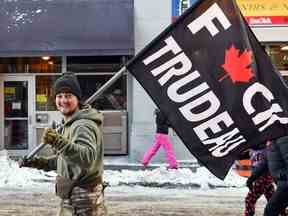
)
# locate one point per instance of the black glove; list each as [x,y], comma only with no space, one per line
[249,183]
[24,162]
[38,163]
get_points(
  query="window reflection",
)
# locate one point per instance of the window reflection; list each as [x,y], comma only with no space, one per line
[113,98]
[16,134]
[278,53]
[44,95]
[93,72]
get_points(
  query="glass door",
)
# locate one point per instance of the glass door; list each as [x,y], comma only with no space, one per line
[17,106]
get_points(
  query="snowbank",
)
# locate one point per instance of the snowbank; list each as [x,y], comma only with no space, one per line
[11,176]
[162,177]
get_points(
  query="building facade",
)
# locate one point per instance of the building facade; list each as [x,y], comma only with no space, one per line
[94,39]
[40,40]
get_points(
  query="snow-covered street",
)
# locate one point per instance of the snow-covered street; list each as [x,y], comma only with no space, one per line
[139,193]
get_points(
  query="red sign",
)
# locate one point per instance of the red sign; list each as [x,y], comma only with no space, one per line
[267,20]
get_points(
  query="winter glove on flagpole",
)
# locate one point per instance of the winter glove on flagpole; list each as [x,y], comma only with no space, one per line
[51,137]
[24,162]
[38,163]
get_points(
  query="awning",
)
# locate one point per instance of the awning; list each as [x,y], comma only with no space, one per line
[66,27]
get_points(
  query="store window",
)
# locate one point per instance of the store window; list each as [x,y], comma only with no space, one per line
[36,65]
[95,71]
[44,94]
[113,98]
[45,64]
[278,53]
[16,115]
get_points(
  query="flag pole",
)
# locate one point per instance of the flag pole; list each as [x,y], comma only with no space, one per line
[103,88]
[90,100]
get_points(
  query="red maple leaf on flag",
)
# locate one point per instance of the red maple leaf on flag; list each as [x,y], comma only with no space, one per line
[237,65]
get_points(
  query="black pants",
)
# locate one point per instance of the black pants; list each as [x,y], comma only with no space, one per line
[278,201]
[277,155]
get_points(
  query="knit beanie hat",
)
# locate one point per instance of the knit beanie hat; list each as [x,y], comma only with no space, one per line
[67,83]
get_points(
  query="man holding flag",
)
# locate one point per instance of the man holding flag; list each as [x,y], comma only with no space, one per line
[212,79]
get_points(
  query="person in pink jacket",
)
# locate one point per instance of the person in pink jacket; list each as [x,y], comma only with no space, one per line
[161,139]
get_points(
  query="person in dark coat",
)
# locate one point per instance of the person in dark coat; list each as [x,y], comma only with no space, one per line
[260,182]
[277,155]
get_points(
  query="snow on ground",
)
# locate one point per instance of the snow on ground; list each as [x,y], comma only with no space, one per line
[11,176]
[161,177]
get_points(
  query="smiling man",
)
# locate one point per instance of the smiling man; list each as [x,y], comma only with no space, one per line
[79,150]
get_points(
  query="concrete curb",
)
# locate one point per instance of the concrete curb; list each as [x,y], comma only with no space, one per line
[193,166]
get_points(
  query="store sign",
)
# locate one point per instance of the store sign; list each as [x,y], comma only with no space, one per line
[263,12]
[256,12]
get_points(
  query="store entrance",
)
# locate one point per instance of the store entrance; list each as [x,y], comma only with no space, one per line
[16,108]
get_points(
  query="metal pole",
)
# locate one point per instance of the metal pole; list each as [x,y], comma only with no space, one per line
[103,88]
[88,101]
[35,151]
[41,145]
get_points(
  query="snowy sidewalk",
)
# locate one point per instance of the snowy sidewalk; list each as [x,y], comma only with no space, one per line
[11,176]
[167,178]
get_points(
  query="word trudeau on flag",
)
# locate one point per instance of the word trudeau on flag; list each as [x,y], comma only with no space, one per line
[208,73]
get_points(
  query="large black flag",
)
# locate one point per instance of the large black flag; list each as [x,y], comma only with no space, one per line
[216,84]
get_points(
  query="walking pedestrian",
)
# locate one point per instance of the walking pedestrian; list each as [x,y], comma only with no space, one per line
[161,138]
[79,150]
[260,182]
[277,155]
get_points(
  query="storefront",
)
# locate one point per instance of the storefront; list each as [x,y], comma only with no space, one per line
[40,40]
